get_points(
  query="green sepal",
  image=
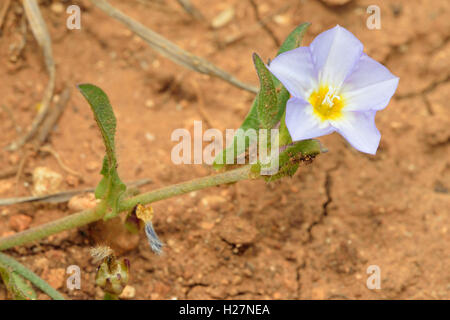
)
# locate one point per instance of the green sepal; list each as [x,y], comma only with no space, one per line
[295,154]
[289,159]
[112,275]
[132,223]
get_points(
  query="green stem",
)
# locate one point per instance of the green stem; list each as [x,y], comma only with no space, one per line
[30,275]
[66,223]
[110,296]
[87,216]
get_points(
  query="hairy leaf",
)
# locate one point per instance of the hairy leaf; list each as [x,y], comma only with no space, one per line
[16,285]
[251,121]
[267,98]
[110,187]
[294,39]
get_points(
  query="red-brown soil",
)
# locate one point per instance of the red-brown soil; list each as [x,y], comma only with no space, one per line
[309,237]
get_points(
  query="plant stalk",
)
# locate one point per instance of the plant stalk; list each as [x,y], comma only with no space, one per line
[30,275]
[88,216]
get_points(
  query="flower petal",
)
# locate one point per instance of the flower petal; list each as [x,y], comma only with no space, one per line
[359,129]
[295,70]
[369,87]
[302,124]
[335,52]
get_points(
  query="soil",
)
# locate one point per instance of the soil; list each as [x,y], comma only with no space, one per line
[312,236]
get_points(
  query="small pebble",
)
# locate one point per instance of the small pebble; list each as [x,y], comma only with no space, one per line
[57,7]
[128,292]
[92,166]
[82,202]
[20,222]
[223,18]
[45,181]
[149,136]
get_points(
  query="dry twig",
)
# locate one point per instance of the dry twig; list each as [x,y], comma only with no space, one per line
[264,25]
[9,172]
[11,116]
[201,104]
[46,128]
[20,169]
[16,49]
[62,196]
[42,36]
[52,118]
[4,11]
[171,50]
[60,162]
[191,9]
[259,24]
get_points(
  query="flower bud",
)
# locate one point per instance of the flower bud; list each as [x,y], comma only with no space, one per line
[112,275]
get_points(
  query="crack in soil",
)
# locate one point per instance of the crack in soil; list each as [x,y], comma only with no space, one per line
[298,278]
[329,199]
[432,86]
[190,287]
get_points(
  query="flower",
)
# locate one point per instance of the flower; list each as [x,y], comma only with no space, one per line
[334,86]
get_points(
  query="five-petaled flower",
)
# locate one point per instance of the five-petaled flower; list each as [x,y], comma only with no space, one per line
[334,86]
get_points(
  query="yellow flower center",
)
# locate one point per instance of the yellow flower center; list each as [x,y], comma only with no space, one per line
[327,105]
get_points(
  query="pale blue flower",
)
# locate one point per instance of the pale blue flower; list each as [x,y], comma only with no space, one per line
[334,86]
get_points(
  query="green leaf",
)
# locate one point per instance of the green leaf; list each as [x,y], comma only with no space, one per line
[251,121]
[110,187]
[102,187]
[294,39]
[104,116]
[16,285]
[267,98]
[8,262]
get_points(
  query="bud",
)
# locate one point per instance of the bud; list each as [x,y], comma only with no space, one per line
[112,274]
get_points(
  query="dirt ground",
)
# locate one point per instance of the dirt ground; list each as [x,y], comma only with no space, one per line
[309,237]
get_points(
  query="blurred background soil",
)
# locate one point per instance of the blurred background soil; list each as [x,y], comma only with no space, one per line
[309,237]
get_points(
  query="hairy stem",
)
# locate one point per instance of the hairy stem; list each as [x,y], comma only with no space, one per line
[87,216]
[66,223]
[30,275]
